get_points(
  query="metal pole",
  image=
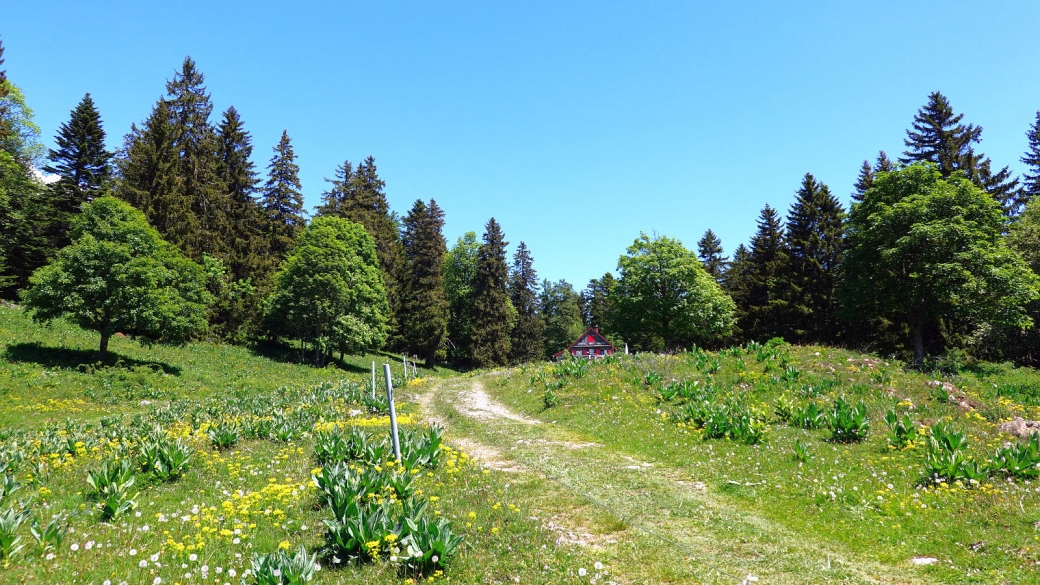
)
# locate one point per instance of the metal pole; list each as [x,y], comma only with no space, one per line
[393,412]
[373,380]
[404,366]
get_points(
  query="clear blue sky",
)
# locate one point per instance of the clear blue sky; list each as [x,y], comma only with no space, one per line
[576,124]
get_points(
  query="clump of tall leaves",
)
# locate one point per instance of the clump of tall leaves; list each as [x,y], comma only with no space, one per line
[110,484]
[10,522]
[166,459]
[224,434]
[427,545]
[946,458]
[809,416]
[281,568]
[1018,460]
[848,423]
[51,535]
[902,430]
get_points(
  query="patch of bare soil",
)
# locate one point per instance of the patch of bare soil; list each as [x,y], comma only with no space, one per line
[476,403]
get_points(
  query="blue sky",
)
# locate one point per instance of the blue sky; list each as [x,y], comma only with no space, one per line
[577,125]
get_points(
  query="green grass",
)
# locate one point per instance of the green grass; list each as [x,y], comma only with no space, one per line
[50,373]
[612,474]
[863,501]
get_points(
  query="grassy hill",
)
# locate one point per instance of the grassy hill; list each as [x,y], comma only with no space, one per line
[698,467]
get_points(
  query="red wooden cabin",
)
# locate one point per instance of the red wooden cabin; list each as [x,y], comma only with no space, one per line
[590,345]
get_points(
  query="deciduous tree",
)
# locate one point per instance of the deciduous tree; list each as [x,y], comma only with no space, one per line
[119,275]
[329,293]
[924,248]
[663,291]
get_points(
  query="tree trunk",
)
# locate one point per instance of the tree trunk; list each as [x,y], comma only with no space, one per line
[917,337]
[103,352]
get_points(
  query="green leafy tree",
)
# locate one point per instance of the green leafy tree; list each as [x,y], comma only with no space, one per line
[815,240]
[82,164]
[235,170]
[328,293]
[663,292]
[118,275]
[491,316]
[709,250]
[24,241]
[282,200]
[358,195]
[938,136]
[526,342]
[561,311]
[925,248]
[460,274]
[1031,179]
[424,312]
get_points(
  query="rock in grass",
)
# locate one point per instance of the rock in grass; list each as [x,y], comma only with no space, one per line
[1019,427]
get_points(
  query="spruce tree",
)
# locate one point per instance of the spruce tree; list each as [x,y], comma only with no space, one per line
[424,310]
[246,245]
[867,174]
[527,343]
[738,287]
[196,143]
[82,165]
[766,307]
[148,176]
[358,195]
[595,303]
[282,201]
[491,301]
[815,226]
[1031,186]
[939,137]
[709,250]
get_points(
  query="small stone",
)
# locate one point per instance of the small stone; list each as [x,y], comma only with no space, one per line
[925,560]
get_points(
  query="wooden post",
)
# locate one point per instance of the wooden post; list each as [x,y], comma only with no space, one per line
[393,412]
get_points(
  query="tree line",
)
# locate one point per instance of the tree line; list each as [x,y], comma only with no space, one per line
[178,235]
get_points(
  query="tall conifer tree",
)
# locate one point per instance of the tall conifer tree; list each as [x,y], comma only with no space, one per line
[595,303]
[815,236]
[709,250]
[491,301]
[82,165]
[148,176]
[738,287]
[766,308]
[1031,187]
[246,245]
[282,201]
[867,174]
[527,342]
[939,137]
[424,311]
[196,143]
[561,310]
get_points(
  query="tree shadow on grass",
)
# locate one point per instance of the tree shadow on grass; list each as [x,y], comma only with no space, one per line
[72,359]
[282,353]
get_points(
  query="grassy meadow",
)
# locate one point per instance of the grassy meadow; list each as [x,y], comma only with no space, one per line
[700,467]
